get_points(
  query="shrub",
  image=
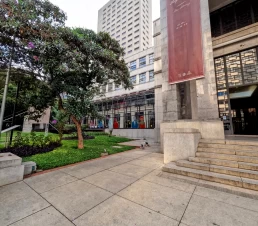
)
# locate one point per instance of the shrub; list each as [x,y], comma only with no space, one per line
[97,134]
[32,144]
[27,150]
[70,127]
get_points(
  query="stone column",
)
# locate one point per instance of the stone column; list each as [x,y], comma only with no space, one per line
[206,91]
[170,97]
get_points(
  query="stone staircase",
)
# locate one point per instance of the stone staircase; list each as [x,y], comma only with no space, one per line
[231,162]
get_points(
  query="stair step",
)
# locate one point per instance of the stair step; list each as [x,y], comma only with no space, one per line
[248,166]
[193,165]
[219,169]
[218,150]
[209,141]
[243,142]
[229,146]
[210,176]
[231,142]
[247,153]
[218,162]
[236,158]
[235,172]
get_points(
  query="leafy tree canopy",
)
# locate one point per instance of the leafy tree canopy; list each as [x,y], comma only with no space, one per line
[71,64]
[77,64]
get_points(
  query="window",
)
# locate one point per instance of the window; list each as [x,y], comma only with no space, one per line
[104,89]
[126,117]
[133,80]
[133,65]
[110,87]
[142,62]
[130,51]
[117,86]
[151,76]
[151,59]
[142,78]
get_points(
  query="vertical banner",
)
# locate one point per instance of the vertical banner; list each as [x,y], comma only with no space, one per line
[184,40]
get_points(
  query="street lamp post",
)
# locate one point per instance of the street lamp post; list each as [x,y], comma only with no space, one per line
[6,87]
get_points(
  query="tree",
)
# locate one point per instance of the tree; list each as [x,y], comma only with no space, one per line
[71,64]
[24,27]
[77,65]
[61,118]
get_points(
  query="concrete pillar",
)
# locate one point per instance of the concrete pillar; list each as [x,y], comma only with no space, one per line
[170,96]
[206,91]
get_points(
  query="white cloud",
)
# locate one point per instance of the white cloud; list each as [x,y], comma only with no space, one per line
[84,13]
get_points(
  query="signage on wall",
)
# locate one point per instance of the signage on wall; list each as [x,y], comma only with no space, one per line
[184,40]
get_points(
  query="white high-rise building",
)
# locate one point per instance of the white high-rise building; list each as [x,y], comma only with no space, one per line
[129,22]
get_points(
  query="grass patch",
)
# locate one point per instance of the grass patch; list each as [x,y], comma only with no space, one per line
[69,154]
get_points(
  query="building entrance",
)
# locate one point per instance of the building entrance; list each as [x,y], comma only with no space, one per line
[244,109]
[237,82]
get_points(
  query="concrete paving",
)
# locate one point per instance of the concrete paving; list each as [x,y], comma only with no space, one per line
[124,189]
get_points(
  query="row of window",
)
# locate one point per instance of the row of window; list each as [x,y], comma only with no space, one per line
[234,16]
[142,78]
[136,111]
[118,6]
[142,62]
[130,9]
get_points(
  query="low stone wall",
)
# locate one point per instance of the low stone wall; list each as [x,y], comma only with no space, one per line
[149,134]
[180,144]
[11,169]
[213,129]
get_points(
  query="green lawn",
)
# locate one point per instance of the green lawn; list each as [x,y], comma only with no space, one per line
[68,153]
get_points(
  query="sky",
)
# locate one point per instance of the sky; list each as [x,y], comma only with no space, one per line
[84,13]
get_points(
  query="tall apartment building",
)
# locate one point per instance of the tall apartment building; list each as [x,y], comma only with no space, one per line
[129,22]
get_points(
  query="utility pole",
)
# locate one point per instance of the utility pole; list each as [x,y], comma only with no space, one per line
[14,109]
[6,87]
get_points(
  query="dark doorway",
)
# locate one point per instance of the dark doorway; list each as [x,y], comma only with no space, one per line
[244,110]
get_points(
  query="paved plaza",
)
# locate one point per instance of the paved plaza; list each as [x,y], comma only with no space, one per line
[120,190]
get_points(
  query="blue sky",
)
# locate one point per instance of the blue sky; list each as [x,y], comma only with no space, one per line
[84,13]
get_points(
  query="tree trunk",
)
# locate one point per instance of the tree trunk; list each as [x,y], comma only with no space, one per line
[79,132]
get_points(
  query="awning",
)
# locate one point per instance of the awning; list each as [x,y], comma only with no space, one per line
[242,92]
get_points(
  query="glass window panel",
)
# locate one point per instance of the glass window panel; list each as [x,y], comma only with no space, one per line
[215,25]
[110,87]
[255,9]
[133,65]
[151,58]
[133,80]
[234,70]
[228,19]
[220,73]
[142,78]
[243,13]
[250,66]
[142,61]
[151,76]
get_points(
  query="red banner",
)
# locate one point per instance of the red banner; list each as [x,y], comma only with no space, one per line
[184,40]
